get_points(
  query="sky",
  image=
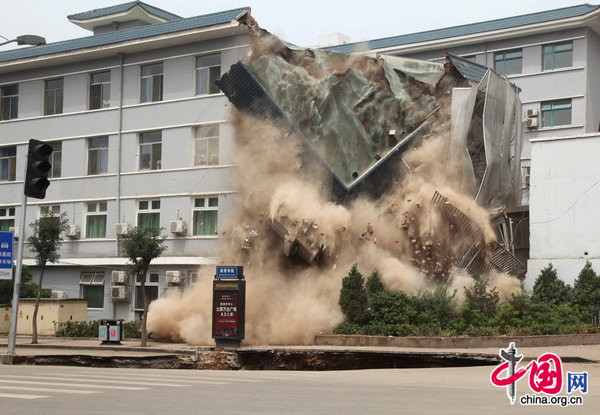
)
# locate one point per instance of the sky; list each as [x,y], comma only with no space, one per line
[298,22]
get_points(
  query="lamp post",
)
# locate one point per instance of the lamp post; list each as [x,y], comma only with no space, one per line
[33,40]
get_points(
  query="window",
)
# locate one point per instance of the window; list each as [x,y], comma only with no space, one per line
[208,70]
[148,213]
[53,210]
[9,102]
[53,97]
[95,220]
[7,218]
[556,56]
[8,164]
[526,176]
[92,288]
[555,113]
[206,214]
[150,150]
[152,79]
[207,145]
[55,159]
[508,62]
[100,90]
[97,155]
[151,290]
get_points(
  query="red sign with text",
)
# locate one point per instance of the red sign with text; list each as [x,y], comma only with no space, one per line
[226,313]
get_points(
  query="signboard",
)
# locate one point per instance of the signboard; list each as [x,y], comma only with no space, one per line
[230,272]
[226,314]
[6,255]
[229,304]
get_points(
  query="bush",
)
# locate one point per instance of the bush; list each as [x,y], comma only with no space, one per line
[374,285]
[586,290]
[77,329]
[482,298]
[353,296]
[133,329]
[391,307]
[434,308]
[548,288]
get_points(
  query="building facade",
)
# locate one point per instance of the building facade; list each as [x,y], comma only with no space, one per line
[140,137]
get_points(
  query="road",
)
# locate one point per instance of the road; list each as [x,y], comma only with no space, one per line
[57,390]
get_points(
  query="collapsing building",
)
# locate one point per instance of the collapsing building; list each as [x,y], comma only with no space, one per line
[355,116]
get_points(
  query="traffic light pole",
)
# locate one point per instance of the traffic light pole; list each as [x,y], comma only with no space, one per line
[12,337]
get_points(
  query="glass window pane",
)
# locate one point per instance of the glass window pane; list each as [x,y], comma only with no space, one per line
[563,47]
[153,278]
[156,88]
[563,59]
[154,69]
[94,294]
[155,204]
[513,66]
[96,226]
[214,74]
[208,60]
[547,62]
[213,201]
[151,293]
[102,207]
[205,222]
[561,117]
[146,89]
[199,202]
[202,81]
[143,205]
[91,207]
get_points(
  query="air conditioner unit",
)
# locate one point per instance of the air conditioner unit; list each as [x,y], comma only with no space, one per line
[119,293]
[59,295]
[531,123]
[15,231]
[119,277]
[532,113]
[122,229]
[174,277]
[72,231]
[177,226]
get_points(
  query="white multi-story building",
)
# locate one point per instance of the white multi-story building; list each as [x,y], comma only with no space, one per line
[139,136]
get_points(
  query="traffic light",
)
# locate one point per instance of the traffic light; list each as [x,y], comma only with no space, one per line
[38,166]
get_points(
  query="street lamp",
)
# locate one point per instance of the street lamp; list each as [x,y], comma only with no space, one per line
[33,40]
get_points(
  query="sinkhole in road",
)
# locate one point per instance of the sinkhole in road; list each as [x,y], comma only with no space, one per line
[272,359]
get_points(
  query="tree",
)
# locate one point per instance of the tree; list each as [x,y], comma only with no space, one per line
[374,285]
[586,289]
[481,297]
[28,287]
[548,288]
[353,296]
[45,243]
[141,247]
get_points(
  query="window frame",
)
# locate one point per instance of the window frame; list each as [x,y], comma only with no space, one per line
[151,83]
[100,210]
[504,59]
[206,207]
[47,209]
[57,95]
[204,141]
[210,71]
[104,91]
[7,217]
[101,157]
[152,209]
[95,279]
[152,283]
[153,164]
[8,164]
[13,102]
[551,108]
[552,52]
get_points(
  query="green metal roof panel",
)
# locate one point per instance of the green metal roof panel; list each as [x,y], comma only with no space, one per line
[122,36]
[470,70]
[468,29]
[120,8]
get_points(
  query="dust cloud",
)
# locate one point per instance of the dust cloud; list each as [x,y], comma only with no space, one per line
[400,233]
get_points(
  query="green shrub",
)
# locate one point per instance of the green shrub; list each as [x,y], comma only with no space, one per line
[374,285]
[353,296]
[548,288]
[77,329]
[481,297]
[132,329]
[586,289]
[391,307]
[434,308]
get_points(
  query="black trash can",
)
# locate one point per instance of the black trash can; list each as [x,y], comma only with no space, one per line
[111,331]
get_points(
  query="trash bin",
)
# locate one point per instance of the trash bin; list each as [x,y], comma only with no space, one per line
[111,331]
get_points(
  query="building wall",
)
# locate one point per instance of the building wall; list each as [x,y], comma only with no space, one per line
[564,197]
[175,184]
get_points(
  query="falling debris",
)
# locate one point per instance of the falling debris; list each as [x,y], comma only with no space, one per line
[398,165]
